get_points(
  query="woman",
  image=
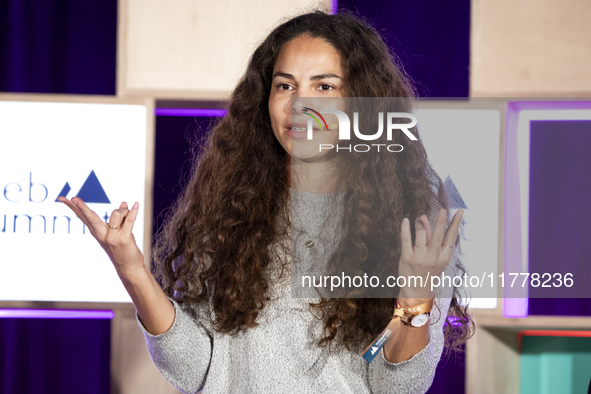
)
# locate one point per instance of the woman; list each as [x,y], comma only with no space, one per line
[223,319]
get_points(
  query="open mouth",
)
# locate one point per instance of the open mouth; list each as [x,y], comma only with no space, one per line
[299,132]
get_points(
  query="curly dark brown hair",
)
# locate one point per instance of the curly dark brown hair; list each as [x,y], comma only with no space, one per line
[229,212]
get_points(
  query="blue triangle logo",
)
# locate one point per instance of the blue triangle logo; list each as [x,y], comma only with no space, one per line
[455,200]
[92,191]
[64,193]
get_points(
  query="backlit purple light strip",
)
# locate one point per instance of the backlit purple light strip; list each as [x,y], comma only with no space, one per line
[512,307]
[189,112]
[55,314]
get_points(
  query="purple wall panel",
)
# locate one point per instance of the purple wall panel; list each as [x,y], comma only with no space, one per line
[55,356]
[431,38]
[560,209]
[65,46]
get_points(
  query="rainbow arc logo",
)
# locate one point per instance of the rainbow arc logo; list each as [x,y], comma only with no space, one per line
[307,111]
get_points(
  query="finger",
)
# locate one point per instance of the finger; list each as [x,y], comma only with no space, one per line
[427,225]
[118,217]
[420,235]
[123,205]
[405,238]
[74,208]
[127,225]
[452,232]
[92,219]
[439,231]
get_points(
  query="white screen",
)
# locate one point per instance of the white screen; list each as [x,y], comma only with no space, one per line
[43,147]
[464,145]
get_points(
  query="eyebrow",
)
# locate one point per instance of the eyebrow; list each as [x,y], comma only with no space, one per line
[312,78]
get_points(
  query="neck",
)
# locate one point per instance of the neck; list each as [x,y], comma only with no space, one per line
[315,176]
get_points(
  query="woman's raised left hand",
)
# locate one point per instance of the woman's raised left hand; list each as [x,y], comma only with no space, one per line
[429,256]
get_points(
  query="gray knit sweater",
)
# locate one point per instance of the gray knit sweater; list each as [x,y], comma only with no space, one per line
[280,354]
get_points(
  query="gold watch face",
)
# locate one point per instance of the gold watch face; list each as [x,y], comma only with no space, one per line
[419,320]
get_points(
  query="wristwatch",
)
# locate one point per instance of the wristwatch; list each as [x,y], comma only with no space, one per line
[416,316]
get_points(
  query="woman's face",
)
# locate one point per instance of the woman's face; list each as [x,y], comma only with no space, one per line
[306,69]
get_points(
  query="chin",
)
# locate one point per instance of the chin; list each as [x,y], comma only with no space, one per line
[307,154]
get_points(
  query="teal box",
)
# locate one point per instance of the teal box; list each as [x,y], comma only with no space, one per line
[555,364]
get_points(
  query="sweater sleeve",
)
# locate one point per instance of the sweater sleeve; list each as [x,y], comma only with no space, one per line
[416,374]
[183,353]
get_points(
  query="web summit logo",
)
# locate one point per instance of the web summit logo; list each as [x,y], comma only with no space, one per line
[91,191]
[15,194]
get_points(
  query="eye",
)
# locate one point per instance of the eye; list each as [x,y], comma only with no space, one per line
[326,87]
[283,86]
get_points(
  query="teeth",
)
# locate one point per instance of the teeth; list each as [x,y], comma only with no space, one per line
[299,128]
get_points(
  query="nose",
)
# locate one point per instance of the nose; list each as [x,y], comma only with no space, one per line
[296,106]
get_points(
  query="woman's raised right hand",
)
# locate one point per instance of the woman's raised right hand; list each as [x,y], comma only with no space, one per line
[153,306]
[119,243]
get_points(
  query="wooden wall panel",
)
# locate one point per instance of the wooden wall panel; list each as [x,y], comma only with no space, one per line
[530,48]
[194,48]
[492,362]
